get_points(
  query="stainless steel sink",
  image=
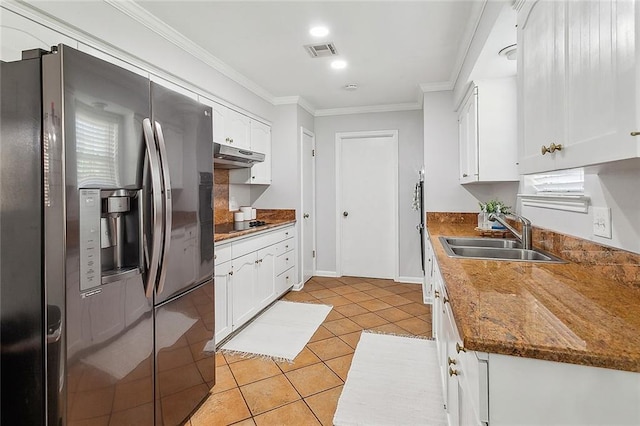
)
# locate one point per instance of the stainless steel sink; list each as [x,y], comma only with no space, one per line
[494,249]
[482,242]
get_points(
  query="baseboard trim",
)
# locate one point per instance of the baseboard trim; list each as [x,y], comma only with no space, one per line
[330,274]
[297,287]
[411,280]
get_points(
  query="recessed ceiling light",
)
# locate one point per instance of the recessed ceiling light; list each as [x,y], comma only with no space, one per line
[338,65]
[319,31]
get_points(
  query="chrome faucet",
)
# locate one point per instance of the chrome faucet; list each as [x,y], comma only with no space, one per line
[525,237]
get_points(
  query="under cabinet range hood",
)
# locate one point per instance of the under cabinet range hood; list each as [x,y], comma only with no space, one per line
[230,157]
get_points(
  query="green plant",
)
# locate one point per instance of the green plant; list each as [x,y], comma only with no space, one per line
[495,206]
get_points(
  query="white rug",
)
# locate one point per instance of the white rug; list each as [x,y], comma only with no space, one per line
[392,381]
[281,332]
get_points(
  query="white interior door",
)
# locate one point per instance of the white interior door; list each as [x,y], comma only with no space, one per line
[308,204]
[368,205]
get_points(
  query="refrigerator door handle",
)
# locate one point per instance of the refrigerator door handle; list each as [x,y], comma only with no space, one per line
[168,212]
[156,188]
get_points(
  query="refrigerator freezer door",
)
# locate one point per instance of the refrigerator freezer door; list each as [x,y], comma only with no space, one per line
[185,354]
[21,305]
[185,128]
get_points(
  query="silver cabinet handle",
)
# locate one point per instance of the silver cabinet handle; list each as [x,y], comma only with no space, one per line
[465,175]
[305,216]
[154,169]
[168,213]
[635,133]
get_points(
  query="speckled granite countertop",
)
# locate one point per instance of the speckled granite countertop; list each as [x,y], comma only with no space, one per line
[574,313]
[272,223]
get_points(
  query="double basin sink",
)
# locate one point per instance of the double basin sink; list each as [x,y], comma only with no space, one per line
[494,249]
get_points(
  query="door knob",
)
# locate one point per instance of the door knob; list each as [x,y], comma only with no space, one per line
[345,214]
[305,216]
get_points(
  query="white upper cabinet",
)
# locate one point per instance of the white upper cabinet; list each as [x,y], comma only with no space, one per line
[261,142]
[578,83]
[487,125]
[260,173]
[230,127]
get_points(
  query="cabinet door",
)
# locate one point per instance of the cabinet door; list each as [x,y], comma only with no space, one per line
[238,130]
[223,302]
[468,138]
[266,287]
[450,366]
[601,83]
[243,286]
[541,89]
[219,124]
[261,142]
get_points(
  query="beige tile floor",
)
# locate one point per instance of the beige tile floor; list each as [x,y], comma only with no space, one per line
[265,392]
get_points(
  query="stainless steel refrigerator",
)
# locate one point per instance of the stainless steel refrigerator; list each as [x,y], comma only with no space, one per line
[107,245]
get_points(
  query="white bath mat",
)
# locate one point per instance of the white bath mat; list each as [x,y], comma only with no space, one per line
[392,381]
[281,332]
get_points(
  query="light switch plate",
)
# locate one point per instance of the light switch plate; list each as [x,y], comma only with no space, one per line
[602,222]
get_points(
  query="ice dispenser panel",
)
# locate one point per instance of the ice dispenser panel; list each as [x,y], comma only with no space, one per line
[110,236]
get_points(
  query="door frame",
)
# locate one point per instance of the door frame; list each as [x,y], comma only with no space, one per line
[303,132]
[340,137]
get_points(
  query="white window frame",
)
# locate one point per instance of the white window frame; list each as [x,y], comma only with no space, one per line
[557,190]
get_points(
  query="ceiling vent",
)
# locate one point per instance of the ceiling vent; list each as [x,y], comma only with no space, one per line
[321,50]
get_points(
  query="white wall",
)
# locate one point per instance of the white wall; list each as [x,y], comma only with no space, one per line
[443,192]
[613,185]
[409,126]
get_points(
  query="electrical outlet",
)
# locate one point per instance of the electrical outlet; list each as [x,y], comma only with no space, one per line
[602,222]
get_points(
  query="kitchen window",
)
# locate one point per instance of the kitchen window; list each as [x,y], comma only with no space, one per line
[558,190]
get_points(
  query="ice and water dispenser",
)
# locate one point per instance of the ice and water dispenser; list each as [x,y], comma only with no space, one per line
[110,236]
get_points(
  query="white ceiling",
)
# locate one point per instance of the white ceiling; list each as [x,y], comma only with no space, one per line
[391,47]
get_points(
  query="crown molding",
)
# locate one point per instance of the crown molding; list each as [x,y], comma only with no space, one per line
[141,15]
[436,87]
[469,35]
[412,106]
[295,100]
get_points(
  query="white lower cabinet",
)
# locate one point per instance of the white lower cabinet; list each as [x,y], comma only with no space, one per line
[251,273]
[222,280]
[265,276]
[244,288]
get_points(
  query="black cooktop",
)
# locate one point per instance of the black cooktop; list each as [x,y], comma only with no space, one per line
[231,227]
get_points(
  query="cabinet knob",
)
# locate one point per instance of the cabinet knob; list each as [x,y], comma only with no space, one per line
[253,177]
[451,361]
[287,259]
[231,140]
[552,148]
[345,214]
[226,139]
[460,348]
[445,300]
[305,216]
[230,272]
[436,294]
[465,175]
[452,372]
[635,133]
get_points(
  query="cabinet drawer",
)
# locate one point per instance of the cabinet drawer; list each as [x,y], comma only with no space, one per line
[285,246]
[251,244]
[285,261]
[285,281]
[222,254]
